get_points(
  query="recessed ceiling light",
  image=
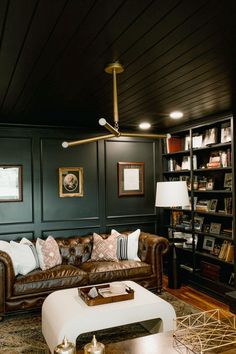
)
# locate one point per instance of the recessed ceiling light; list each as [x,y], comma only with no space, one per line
[144,125]
[176,115]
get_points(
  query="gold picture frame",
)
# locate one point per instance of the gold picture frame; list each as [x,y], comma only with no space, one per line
[130,178]
[71,182]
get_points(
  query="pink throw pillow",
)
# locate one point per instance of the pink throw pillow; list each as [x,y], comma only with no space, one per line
[48,253]
[104,249]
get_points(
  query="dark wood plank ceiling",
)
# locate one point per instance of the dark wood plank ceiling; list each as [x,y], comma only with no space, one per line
[177,55]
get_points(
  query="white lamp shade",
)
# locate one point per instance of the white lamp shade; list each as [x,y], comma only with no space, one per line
[172,194]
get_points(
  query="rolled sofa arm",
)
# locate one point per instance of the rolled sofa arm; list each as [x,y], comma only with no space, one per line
[7,278]
[151,251]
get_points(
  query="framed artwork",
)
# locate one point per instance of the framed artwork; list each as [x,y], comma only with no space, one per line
[206,228]
[228,180]
[210,136]
[130,178]
[198,222]
[215,228]
[213,205]
[71,182]
[10,183]
[208,243]
[225,134]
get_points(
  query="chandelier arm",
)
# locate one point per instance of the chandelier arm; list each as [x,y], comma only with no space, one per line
[109,127]
[88,140]
[115,100]
[143,135]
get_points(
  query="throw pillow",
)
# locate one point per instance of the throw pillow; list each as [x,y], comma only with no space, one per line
[6,247]
[127,245]
[48,253]
[33,249]
[104,249]
[22,255]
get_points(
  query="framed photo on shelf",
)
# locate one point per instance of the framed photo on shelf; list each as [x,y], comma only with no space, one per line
[215,228]
[71,182]
[130,178]
[228,180]
[208,243]
[213,205]
[11,183]
[206,228]
[225,133]
[210,136]
[210,184]
[198,222]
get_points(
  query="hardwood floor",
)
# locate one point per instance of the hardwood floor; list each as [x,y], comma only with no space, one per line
[196,298]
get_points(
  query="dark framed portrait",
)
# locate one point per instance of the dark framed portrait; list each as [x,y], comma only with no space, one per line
[130,178]
[215,228]
[11,183]
[71,182]
[208,243]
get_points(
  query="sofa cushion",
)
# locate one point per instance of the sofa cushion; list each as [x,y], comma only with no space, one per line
[59,277]
[22,254]
[48,253]
[25,241]
[104,249]
[127,245]
[100,272]
[74,252]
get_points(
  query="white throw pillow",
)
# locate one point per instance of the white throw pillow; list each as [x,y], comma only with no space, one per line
[6,247]
[33,249]
[23,256]
[48,253]
[132,244]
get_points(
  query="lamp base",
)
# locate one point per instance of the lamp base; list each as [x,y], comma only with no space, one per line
[174,280]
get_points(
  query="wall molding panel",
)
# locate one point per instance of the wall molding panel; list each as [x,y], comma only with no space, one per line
[43,212]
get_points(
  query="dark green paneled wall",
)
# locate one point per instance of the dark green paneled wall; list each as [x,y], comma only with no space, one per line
[43,212]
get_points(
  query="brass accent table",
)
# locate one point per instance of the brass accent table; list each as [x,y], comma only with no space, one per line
[160,343]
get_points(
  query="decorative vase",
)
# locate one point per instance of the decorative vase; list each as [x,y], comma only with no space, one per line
[94,347]
[65,347]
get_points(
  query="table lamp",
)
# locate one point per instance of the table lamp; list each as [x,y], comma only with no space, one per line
[172,194]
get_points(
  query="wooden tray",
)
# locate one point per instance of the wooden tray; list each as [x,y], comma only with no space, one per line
[100,300]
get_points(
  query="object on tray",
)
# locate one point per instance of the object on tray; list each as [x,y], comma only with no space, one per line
[93,292]
[106,297]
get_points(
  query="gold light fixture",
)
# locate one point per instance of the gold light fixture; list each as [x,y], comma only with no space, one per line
[114,69]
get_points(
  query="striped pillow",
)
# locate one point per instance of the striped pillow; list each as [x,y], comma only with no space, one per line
[127,245]
[122,247]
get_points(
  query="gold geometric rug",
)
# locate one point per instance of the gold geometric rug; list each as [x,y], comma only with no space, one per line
[22,333]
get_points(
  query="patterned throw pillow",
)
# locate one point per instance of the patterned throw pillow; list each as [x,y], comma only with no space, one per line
[104,249]
[48,253]
[127,245]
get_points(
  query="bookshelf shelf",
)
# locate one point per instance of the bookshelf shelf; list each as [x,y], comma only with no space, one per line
[209,223]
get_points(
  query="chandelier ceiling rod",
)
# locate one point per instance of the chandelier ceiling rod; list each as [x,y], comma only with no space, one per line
[113,68]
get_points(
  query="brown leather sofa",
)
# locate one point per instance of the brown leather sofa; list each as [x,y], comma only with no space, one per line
[28,292]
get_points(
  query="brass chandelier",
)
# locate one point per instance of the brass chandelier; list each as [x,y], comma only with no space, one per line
[114,69]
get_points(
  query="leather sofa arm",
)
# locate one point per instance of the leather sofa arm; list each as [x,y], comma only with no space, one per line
[151,250]
[7,277]
[152,246]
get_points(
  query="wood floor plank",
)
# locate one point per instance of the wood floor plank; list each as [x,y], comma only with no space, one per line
[196,298]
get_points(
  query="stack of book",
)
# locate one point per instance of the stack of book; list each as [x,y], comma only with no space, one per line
[227,251]
[228,232]
[203,205]
[214,160]
[228,205]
